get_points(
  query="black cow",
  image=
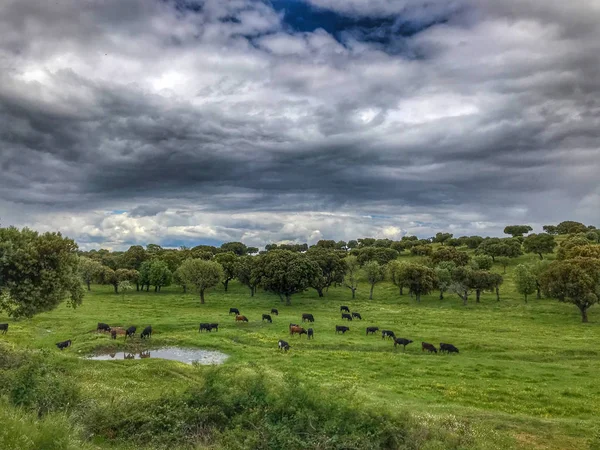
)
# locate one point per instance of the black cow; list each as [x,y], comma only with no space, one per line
[102,327]
[283,345]
[214,326]
[308,317]
[147,332]
[429,347]
[113,334]
[3,327]
[372,330]
[267,317]
[387,334]
[130,332]
[341,329]
[448,348]
[356,315]
[204,326]
[347,316]
[311,333]
[402,341]
[235,311]
[274,311]
[344,308]
[64,344]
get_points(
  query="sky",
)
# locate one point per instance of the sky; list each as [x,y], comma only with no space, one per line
[186,122]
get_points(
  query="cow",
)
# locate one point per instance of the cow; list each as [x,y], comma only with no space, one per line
[145,354]
[344,308]
[102,327]
[128,356]
[214,326]
[235,311]
[64,344]
[401,341]
[341,329]
[241,319]
[147,333]
[274,311]
[387,334]
[448,348]
[372,330]
[130,332]
[356,315]
[3,327]
[267,317]
[347,316]
[311,333]
[429,347]
[297,330]
[283,345]
[113,334]
[308,317]
[204,326]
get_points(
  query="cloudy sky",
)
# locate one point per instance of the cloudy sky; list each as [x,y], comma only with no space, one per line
[201,121]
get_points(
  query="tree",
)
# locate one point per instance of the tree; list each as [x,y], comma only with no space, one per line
[539,244]
[396,271]
[89,270]
[537,270]
[565,249]
[125,286]
[576,281]
[421,250]
[109,276]
[442,238]
[332,267]
[380,254]
[570,227]
[398,246]
[450,254]
[482,262]
[229,263]
[200,274]
[517,230]
[480,280]
[495,247]
[504,261]
[352,244]
[37,272]
[583,251]
[461,283]
[325,243]
[249,272]
[496,281]
[287,273]
[133,257]
[524,281]
[443,272]
[420,279]
[351,274]
[160,275]
[374,273]
[473,241]
[366,242]
[236,248]
[550,229]
[144,278]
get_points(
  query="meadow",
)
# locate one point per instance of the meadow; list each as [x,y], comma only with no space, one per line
[525,377]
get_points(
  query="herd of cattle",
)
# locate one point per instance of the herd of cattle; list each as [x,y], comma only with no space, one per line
[294,328]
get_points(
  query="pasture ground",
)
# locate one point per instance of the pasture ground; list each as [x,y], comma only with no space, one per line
[526,376]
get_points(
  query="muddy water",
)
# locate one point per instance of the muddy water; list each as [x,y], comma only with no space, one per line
[184,355]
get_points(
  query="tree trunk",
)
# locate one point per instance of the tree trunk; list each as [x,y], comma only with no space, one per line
[137,287]
[584,316]
[418,295]
[525,298]
[541,256]
[202,296]
[503,269]
[539,293]
[116,286]
[441,295]
[465,298]
[371,293]
[184,289]
[401,293]
[353,292]
[88,285]
[251,291]
[288,299]
[497,294]
[155,288]
[226,283]
[147,288]
[159,288]
[320,291]
[477,295]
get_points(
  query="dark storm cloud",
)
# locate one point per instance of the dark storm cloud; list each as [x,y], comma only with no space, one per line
[248,120]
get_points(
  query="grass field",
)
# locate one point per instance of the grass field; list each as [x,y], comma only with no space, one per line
[526,375]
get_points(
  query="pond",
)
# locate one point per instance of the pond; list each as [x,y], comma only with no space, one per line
[184,355]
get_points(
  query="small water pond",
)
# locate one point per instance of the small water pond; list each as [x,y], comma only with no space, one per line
[184,355]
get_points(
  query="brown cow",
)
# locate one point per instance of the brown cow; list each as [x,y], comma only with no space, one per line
[429,347]
[299,330]
[241,319]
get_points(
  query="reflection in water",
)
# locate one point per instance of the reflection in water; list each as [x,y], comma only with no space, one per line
[185,355]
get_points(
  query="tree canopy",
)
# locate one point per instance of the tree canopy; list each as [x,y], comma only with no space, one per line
[200,274]
[540,244]
[517,230]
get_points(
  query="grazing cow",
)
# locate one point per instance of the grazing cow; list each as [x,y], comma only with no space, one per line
[145,354]
[147,333]
[283,345]
[347,316]
[241,319]
[356,315]
[387,334]
[64,344]
[3,327]
[113,334]
[448,348]
[204,326]
[297,330]
[341,329]
[214,326]
[429,347]
[130,332]
[267,317]
[102,327]
[128,356]
[372,330]
[308,317]
[274,311]
[311,333]
[344,308]
[402,341]
[235,311]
